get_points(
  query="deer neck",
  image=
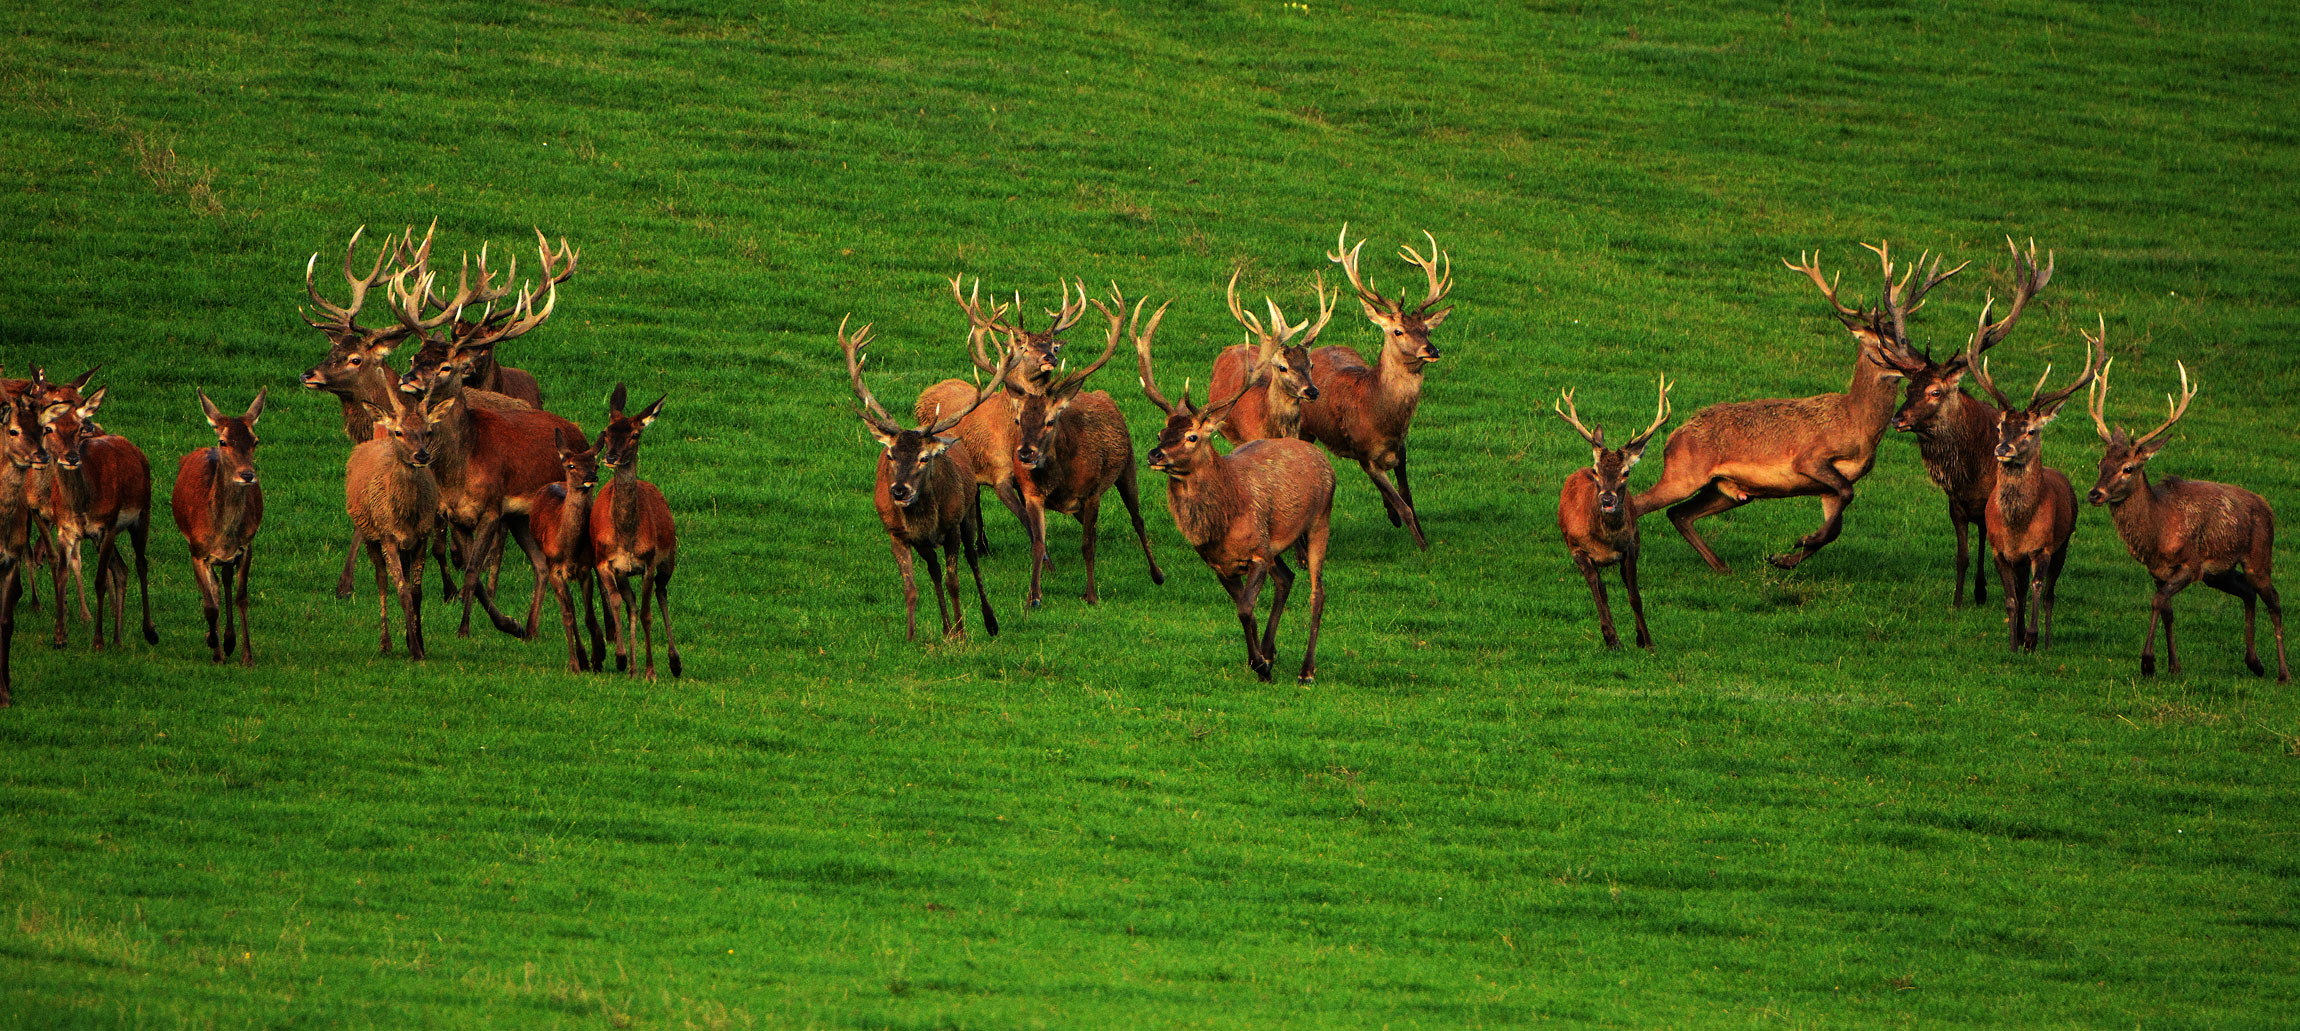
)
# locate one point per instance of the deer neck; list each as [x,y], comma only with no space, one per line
[451,442]
[2136,517]
[1203,501]
[13,500]
[623,499]
[1954,444]
[1870,400]
[2019,489]
[1398,381]
[575,515]
[227,498]
[71,489]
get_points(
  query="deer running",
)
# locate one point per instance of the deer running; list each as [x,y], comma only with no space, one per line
[632,535]
[2032,511]
[219,505]
[989,432]
[1596,518]
[1274,369]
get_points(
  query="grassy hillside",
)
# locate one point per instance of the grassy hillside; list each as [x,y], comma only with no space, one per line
[1826,800]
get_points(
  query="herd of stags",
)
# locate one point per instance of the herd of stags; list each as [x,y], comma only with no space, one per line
[457,452]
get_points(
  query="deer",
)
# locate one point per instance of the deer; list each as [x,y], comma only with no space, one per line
[1274,368]
[1595,516]
[1363,411]
[393,500]
[1069,448]
[219,504]
[36,393]
[925,495]
[2032,510]
[1955,431]
[559,514]
[100,485]
[478,337]
[1241,511]
[1730,454]
[21,443]
[989,432]
[632,535]
[2186,531]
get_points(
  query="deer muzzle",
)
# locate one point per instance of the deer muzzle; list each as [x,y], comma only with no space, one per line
[901,493]
[2097,496]
[312,380]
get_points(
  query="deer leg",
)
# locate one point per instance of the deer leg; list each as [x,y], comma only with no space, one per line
[70,560]
[11,588]
[382,590]
[226,572]
[1089,518]
[1957,523]
[1009,491]
[647,616]
[1036,524]
[947,583]
[2160,611]
[663,606]
[117,567]
[411,566]
[106,554]
[247,566]
[1284,586]
[1313,552]
[523,531]
[448,543]
[511,527]
[1636,600]
[1399,507]
[1405,489]
[1132,496]
[1833,506]
[989,618]
[1706,502]
[2267,594]
[1245,590]
[590,580]
[1597,591]
[2051,594]
[2038,569]
[203,576]
[575,657]
[1980,547]
[2234,583]
[979,530]
[138,535]
[400,585]
[618,605]
[909,594]
[2008,576]
[350,564]
[927,554]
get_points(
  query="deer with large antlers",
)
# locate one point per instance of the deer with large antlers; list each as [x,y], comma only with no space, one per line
[2186,531]
[989,432]
[393,501]
[100,485]
[632,535]
[1362,411]
[1728,455]
[925,495]
[218,505]
[2032,510]
[1596,518]
[1956,432]
[1274,369]
[475,340]
[1243,510]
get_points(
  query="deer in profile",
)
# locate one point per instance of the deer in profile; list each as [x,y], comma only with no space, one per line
[1956,432]
[2032,511]
[218,505]
[632,535]
[1596,518]
[1274,369]
[100,485]
[393,501]
[2186,531]
[989,432]
[925,495]
[1362,411]
[1728,455]
[559,514]
[1243,510]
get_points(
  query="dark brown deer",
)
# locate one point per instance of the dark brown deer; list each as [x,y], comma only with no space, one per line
[1243,510]
[1069,448]
[632,535]
[2185,531]
[1728,455]
[1363,411]
[1955,431]
[1596,519]
[219,505]
[100,485]
[17,452]
[925,495]
[393,501]
[2032,511]
[1274,368]
[989,432]
[560,516]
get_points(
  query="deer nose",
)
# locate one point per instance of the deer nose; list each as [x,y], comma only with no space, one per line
[423,457]
[2004,451]
[248,476]
[1310,393]
[1430,352]
[2097,496]
[898,491]
[313,380]
[1027,456]
[1156,457]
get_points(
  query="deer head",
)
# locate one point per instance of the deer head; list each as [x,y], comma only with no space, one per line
[408,425]
[578,464]
[70,425]
[235,437]
[2020,430]
[1282,355]
[1881,333]
[2123,465]
[1406,331]
[1037,355]
[24,433]
[907,453]
[1611,465]
[1186,442]
[1931,383]
[619,442]
[1035,415]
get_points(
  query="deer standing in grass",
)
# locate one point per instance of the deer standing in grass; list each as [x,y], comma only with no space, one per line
[21,426]
[1362,411]
[1728,455]
[1243,510]
[559,514]
[36,394]
[1596,518]
[2185,531]
[989,431]
[219,505]
[2032,511]
[393,501]
[632,535]
[925,495]
[100,485]
[1956,432]
[1273,368]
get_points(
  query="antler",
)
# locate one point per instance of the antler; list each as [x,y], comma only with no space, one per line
[551,267]
[1244,317]
[407,304]
[520,320]
[1347,257]
[1563,406]
[1810,265]
[342,317]
[1660,415]
[1890,300]
[1326,302]
[1440,284]
[2095,349]
[872,412]
[1071,311]
[1980,367]
[1141,343]
[981,394]
[983,325]
[2028,281]
[2178,408]
[1074,380]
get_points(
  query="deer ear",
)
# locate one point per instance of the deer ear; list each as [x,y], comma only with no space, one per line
[559,441]
[1431,320]
[93,401]
[1630,456]
[376,412]
[648,414]
[379,351]
[255,407]
[884,438]
[1376,314]
[439,410]
[615,400]
[2147,451]
[84,377]
[54,412]
[208,409]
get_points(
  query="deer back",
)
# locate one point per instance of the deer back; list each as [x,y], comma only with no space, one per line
[987,432]
[1088,447]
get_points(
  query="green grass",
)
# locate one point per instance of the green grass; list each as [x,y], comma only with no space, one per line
[1827,801]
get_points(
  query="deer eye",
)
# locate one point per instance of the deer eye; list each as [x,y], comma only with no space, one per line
[2130,468]
[1191,437]
[354,361]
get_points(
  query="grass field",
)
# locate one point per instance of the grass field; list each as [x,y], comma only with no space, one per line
[1827,800]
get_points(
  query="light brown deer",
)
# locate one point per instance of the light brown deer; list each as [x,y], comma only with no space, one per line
[2185,531]
[1363,411]
[1955,431]
[925,495]
[393,501]
[1069,448]
[1728,455]
[1241,511]
[560,516]
[219,505]
[100,485]
[36,394]
[1596,519]
[2032,511]
[1273,368]
[632,535]
[21,426]
[989,432]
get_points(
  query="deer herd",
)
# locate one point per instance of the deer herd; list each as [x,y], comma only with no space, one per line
[457,456]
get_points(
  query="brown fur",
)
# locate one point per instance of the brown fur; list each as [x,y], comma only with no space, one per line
[632,535]
[393,501]
[219,504]
[100,484]
[559,515]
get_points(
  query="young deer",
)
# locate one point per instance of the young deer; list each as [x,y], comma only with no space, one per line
[1070,447]
[1955,431]
[1274,369]
[2185,531]
[394,504]
[925,495]
[1241,511]
[218,505]
[1596,519]
[989,432]
[559,514]
[1362,412]
[100,484]
[2032,511]
[632,535]
[1728,455]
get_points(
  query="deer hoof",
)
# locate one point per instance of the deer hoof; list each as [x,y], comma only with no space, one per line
[2252,662]
[2148,665]
[1261,669]
[1785,560]
[1306,679]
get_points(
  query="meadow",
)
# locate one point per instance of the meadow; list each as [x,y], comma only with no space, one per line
[1827,799]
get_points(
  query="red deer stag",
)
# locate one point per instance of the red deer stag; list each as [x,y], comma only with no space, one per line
[2032,511]
[393,501]
[2185,531]
[1596,519]
[1241,511]
[989,433]
[477,338]
[632,535]
[100,484]
[1363,411]
[1728,455]
[925,495]
[560,516]
[1273,368]
[218,506]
